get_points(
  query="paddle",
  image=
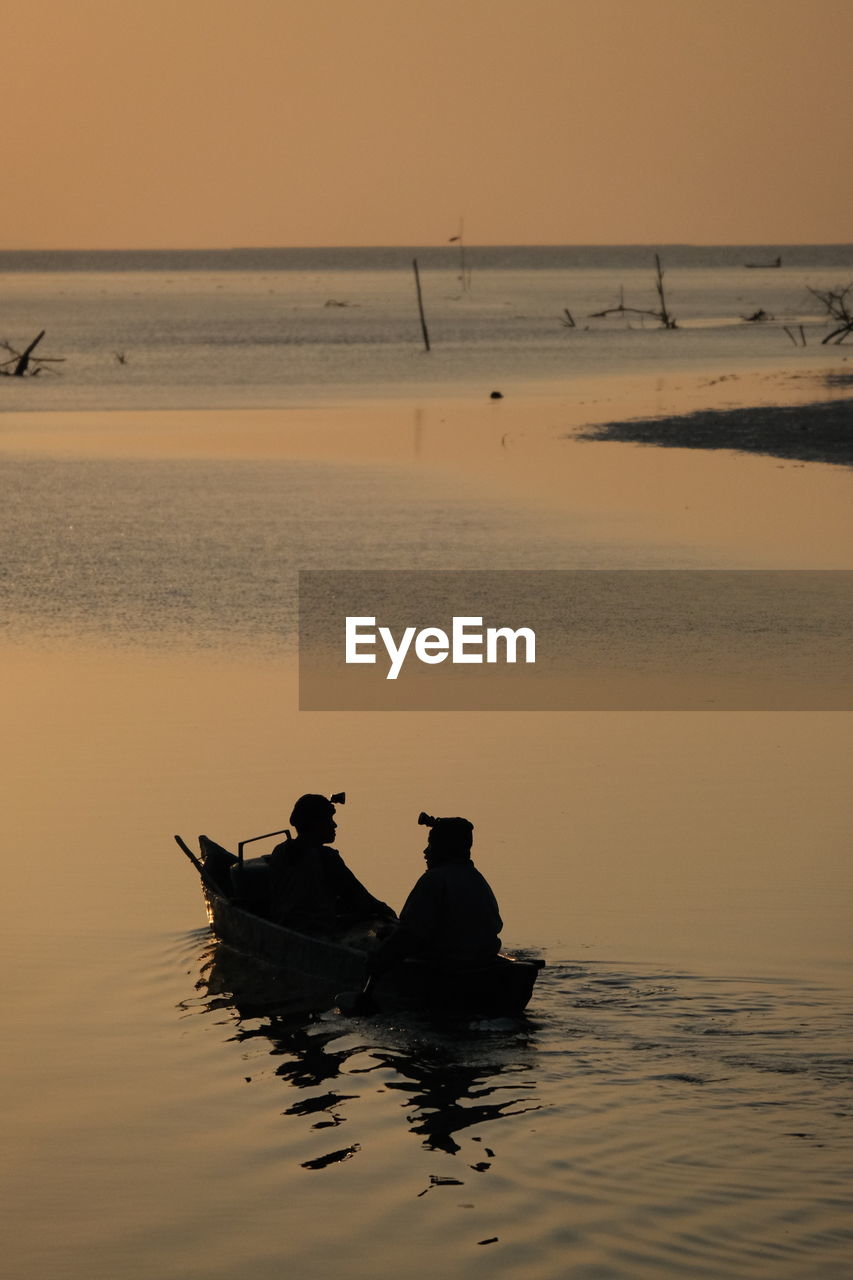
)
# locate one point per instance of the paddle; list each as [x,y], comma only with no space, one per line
[359,1004]
[199,866]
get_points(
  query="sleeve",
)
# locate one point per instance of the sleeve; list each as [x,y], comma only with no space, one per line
[421,914]
[418,924]
[351,892]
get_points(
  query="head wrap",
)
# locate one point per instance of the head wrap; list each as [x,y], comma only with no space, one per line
[452,836]
[311,808]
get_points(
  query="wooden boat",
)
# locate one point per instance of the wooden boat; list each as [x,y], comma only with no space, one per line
[501,988]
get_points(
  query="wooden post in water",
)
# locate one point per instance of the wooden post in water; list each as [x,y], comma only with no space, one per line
[24,361]
[666,319]
[424,328]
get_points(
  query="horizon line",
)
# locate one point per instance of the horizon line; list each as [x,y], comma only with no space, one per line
[471,244]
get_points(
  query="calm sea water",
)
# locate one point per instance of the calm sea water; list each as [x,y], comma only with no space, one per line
[678,1102]
[265,328]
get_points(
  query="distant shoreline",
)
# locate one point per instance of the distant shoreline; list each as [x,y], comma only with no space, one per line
[819,255]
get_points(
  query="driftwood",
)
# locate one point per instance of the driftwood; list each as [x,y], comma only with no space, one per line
[666,319]
[837,306]
[567,320]
[24,362]
[662,314]
[623,310]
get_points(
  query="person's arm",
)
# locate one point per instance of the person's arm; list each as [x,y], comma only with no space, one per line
[352,892]
[391,951]
[421,915]
[418,925]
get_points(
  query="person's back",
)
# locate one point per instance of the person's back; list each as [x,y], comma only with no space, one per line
[453,913]
[451,917]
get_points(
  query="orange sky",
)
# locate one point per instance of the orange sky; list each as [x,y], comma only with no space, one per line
[137,123]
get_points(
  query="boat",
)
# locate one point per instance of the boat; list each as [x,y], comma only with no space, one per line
[337,968]
[763,266]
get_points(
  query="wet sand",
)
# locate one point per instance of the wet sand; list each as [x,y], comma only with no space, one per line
[819,432]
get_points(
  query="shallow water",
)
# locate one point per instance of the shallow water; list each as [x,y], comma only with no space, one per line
[678,1101]
[275,328]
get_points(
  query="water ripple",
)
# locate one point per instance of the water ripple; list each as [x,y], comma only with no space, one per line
[607,1134]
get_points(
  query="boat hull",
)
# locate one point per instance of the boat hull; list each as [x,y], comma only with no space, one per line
[501,988]
[319,959]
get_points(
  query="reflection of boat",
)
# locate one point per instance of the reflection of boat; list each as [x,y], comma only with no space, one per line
[450,1081]
[501,988]
[763,266]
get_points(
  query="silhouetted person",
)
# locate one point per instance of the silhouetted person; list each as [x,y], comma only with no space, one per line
[451,918]
[311,887]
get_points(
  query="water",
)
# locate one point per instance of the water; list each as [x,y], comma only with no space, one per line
[678,1101]
[268,328]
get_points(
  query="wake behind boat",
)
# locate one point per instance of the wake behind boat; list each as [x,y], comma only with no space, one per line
[231,886]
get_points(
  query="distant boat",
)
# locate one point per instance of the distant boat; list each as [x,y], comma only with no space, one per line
[763,266]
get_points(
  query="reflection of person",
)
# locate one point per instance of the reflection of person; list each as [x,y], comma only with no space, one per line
[451,917]
[311,887]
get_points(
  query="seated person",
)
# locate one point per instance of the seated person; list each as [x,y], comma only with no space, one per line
[451,918]
[311,887]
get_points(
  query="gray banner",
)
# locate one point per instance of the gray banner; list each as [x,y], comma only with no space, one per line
[640,640]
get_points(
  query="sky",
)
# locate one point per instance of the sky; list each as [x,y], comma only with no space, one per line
[218,123]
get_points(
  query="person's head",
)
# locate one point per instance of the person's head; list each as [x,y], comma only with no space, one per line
[450,840]
[314,819]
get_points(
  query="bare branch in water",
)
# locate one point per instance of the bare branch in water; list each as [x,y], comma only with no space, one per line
[662,314]
[837,305]
[26,364]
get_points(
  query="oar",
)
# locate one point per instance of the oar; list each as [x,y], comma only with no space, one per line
[198,864]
